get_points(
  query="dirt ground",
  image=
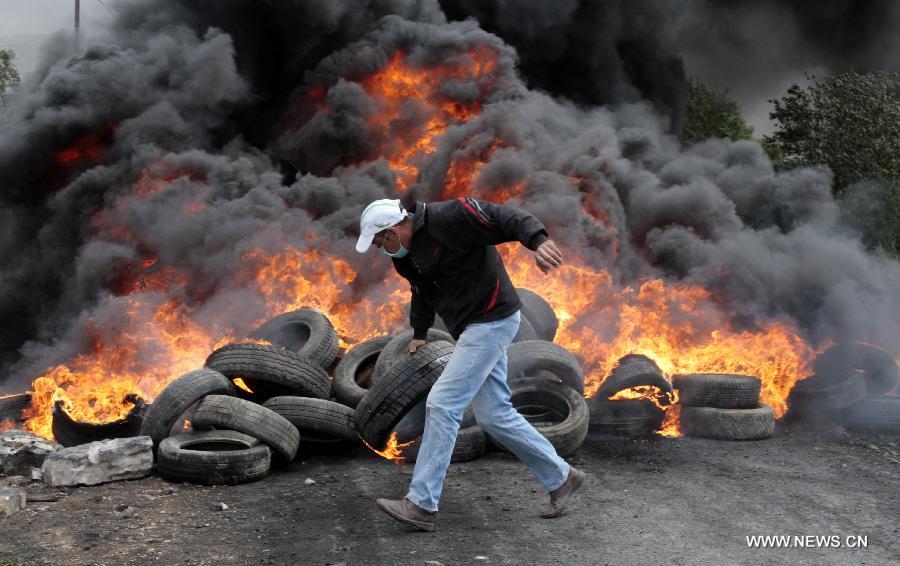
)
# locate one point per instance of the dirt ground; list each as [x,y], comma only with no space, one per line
[648,501]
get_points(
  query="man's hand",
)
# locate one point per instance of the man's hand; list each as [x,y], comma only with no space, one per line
[414,345]
[548,256]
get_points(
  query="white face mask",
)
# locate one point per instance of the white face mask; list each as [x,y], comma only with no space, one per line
[401,251]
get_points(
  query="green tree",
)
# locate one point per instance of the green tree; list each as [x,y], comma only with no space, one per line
[712,113]
[9,75]
[851,123]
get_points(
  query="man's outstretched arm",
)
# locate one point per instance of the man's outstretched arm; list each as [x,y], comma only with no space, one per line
[488,223]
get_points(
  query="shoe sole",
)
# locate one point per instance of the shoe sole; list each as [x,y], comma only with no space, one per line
[579,479]
[429,527]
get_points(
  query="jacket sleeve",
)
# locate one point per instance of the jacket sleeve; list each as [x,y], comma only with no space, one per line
[489,223]
[421,313]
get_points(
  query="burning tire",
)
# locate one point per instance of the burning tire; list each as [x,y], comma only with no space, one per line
[527,359]
[633,370]
[273,365]
[70,432]
[222,412]
[471,443]
[178,397]
[728,424]
[566,433]
[306,332]
[843,360]
[324,424]
[353,374]
[875,414]
[213,458]
[397,346]
[539,313]
[11,407]
[723,391]
[624,417]
[816,397]
[406,383]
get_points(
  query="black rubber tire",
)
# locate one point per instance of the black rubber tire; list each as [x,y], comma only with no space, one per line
[471,444]
[69,432]
[815,397]
[11,407]
[346,387]
[267,426]
[624,417]
[840,361]
[525,331]
[271,364]
[633,370]
[724,391]
[176,462]
[527,358]
[875,414]
[397,346]
[566,435]
[728,424]
[177,398]
[321,423]
[306,332]
[404,384]
[539,313]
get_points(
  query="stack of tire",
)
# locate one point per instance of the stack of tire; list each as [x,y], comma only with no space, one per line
[855,385]
[236,432]
[388,387]
[723,406]
[400,385]
[546,380]
[630,417]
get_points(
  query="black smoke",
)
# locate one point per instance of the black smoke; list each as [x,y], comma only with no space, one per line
[254,115]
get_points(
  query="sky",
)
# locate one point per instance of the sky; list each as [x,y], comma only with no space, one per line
[25,24]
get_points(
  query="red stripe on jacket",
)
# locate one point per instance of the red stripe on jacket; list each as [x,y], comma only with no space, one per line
[493,297]
[472,210]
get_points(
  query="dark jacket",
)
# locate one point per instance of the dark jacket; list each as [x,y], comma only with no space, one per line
[453,267]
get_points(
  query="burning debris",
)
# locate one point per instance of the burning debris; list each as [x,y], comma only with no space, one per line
[149,224]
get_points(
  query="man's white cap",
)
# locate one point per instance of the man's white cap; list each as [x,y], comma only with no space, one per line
[381,214]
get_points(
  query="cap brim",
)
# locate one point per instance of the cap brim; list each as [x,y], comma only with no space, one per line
[364,242]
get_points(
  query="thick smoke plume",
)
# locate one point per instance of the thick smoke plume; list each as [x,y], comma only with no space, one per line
[160,174]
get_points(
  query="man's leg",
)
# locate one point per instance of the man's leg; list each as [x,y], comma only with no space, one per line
[496,415]
[476,352]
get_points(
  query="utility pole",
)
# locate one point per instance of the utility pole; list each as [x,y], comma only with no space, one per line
[77,19]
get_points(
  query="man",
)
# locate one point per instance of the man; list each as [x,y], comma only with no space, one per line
[446,251]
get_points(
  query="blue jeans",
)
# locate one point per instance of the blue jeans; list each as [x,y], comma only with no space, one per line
[476,373]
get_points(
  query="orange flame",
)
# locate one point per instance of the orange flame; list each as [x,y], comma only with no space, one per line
[393,451]
[7,424]
[401,88]
[292,279]
[678,325]
[240,383]
[149,348]
[681,326]
[670,426]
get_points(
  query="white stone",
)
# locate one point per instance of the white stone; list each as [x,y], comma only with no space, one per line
[100,462]
[309,481]
[11,500]
[20,451]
